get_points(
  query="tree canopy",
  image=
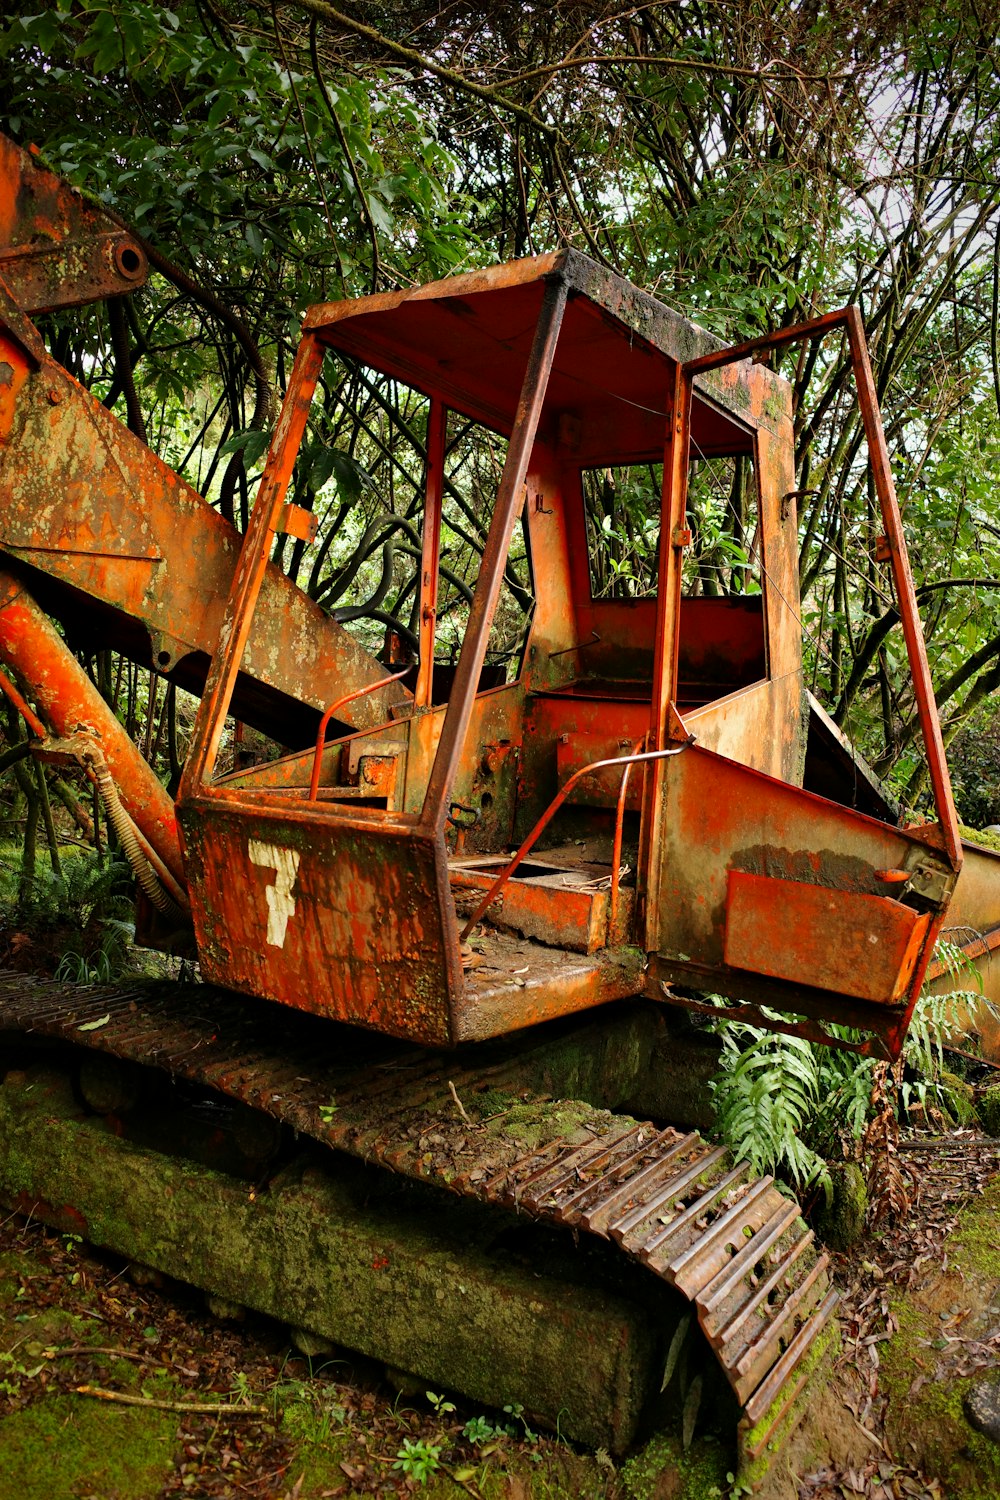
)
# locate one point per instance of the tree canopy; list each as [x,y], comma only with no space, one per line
[752,164]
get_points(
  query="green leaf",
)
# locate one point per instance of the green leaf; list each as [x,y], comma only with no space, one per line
[252,443]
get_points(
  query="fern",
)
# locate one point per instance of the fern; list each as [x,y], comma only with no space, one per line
[86,908]
[766,1096]
[785,1105]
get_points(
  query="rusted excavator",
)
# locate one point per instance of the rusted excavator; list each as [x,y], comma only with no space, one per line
[492,878]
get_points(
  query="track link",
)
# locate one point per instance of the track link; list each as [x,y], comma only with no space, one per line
[734,1246]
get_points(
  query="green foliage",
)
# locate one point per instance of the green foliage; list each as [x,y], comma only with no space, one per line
[787,1105]
[86,907]
[481,1430]
[516,1413]
[768,1095]
[73,968]
[419,1459]
[974,761]
[216,142]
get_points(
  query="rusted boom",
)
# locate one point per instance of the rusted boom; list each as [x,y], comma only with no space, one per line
[56,249]
[121,550]
[68,700]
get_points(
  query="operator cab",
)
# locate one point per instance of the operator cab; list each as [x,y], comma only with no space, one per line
[589,782]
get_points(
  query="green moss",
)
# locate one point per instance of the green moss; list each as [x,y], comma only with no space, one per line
[664,1471]
[841,1222]
[535,1123]
[753,1471]
[985,840]
[492,1102]
[988,1109]
[959,1098]
[68,1446]
[320,1444]
[973,1244]
[932,1417]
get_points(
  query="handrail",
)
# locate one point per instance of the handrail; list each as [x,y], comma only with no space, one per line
[616,848]
[361,692]
[549,814]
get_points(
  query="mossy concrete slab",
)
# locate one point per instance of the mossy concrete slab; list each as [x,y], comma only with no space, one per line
[418,1283]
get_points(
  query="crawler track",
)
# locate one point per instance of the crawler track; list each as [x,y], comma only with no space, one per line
[733,1245]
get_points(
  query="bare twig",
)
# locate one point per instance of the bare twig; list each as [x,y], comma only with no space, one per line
[207,1408]
[458,1102]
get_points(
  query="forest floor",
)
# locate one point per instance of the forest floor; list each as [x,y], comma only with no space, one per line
[919,1302]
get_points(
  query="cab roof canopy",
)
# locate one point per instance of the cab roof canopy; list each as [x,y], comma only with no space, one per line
[466,340]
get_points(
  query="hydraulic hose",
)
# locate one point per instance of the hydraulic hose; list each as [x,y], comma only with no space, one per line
[128,839]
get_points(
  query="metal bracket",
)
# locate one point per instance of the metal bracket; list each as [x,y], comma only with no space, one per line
[933,883]
[298,522]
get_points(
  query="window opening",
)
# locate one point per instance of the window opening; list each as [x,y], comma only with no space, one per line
[723,513]
[622,509]
[474,460]
[362,470]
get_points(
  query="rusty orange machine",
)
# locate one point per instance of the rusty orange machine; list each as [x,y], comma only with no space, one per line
[674,724]
[642,800]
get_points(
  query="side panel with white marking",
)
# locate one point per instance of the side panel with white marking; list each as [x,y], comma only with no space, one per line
[344,921]
[280,902]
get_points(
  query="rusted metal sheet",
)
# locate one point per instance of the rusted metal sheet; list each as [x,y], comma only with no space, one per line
[972,929]
[346,916]
[575,753]
[522,983]
[466,340]
[719,817]
[844,941]
[564,907]
[760,726]
[56,249]
[557,727]
[329,914]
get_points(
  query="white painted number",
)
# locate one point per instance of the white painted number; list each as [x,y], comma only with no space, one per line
[280,902]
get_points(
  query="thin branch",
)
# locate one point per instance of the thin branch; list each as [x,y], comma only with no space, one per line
[208,1408]
[488,93]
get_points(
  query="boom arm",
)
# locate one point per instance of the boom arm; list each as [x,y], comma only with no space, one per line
[107,538]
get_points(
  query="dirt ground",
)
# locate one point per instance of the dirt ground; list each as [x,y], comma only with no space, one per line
[918,1297]
[271,1423]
